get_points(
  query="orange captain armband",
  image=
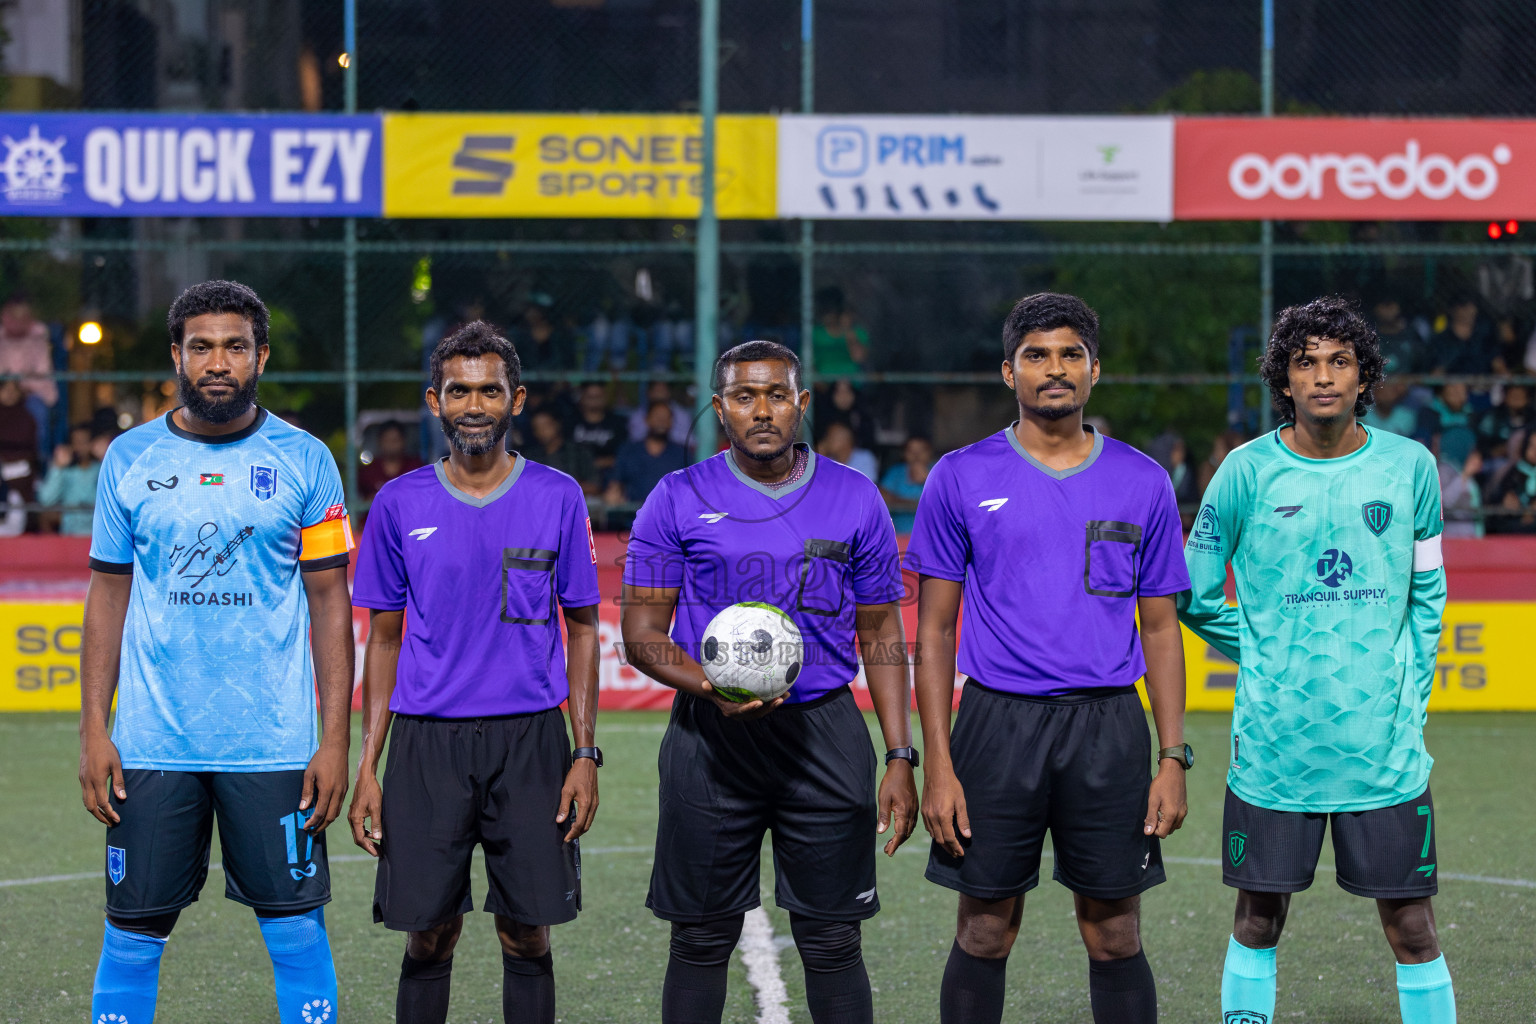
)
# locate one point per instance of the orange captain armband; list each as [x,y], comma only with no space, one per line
[326,544]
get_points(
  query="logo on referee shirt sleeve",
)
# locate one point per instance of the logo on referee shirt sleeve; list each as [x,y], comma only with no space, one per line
[591,541]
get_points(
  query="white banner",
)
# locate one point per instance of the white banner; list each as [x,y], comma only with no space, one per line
[892,167]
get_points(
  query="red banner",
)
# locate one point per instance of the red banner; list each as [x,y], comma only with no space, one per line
[1353,169]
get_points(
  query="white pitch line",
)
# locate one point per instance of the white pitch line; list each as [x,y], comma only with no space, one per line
[761,958]
[1200,862]
[343,858]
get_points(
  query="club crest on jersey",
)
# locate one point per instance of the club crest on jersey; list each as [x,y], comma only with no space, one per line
[1237,847]
[117,864]
[263,482]
[1378,516]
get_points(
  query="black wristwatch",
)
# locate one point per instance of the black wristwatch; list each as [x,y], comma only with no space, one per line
[595,753]
[1184,754]
[905,753]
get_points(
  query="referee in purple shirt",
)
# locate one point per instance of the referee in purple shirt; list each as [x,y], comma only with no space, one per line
[1056,537]
[462,566]
[769,520]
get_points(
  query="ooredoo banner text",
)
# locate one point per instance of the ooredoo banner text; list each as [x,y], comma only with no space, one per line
[1353,169]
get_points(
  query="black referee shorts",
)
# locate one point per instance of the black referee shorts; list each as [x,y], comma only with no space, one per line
[1386,853]
[805,773]
[451,783]
[1079,766]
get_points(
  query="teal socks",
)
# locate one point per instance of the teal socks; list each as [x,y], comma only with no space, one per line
[1424,993]
[1248,985]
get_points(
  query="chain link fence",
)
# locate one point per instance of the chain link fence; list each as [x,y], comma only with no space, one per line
[612,300]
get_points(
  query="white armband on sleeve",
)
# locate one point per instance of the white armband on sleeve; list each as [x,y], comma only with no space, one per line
[1426,554]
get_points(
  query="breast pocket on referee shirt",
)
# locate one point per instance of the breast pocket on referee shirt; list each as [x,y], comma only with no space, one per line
[528,586]
[824,577]
[1111,553]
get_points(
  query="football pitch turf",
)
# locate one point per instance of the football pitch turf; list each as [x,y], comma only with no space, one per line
[1334,964]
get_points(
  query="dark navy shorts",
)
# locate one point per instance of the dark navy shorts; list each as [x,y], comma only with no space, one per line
[157,856]
[1388,853]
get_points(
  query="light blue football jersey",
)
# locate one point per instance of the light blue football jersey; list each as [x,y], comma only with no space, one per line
[216,673]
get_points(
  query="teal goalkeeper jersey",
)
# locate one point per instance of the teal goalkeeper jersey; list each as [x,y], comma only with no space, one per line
[1340,590]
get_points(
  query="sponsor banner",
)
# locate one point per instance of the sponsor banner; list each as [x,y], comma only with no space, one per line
[167,165]
[1481,666]
[574,165]
[1483,663]
[1354,169]
[976,168]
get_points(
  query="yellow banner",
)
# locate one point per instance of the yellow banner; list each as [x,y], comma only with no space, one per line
[573,165]
[40,657]
[1484,662]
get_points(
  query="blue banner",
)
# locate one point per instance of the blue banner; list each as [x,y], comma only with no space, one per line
[168,165]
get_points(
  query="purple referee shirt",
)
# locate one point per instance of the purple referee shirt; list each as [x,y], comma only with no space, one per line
[1052,560]
[815,549]
[479,579]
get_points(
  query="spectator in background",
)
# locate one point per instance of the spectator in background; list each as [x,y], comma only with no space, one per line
[682,419]
[18,441]
[1401,346]
[640,465]
[1225,442]
[549,447]
[1460,498]
[541,342]
[1467,344]
[25,348]
[71,478]
[841,346]
[390,459]
[1498,424]
[1391,411]
[597,427]
[1514,488]
[840,402]
[1169,451]
[839,444]
[903,483]
[1448,423]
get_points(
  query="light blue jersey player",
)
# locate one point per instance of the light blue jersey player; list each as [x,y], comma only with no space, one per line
[218,600]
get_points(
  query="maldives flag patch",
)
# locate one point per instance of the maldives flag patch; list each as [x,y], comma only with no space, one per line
[211,479]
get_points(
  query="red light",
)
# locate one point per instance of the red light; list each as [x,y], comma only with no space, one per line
[1512,228]
[1494,231]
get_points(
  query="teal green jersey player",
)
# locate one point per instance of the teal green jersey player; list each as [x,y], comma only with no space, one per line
[1332,531]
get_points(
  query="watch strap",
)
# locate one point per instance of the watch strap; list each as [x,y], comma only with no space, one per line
[595,753]
[904,753]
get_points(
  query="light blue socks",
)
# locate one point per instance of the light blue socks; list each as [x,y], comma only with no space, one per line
[1424,993]
[127,977]
[302,968]
[1248,985]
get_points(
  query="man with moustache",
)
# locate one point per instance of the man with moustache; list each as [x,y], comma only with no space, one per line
[1059,539]
[217,603]
[475,552]
[768,520]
